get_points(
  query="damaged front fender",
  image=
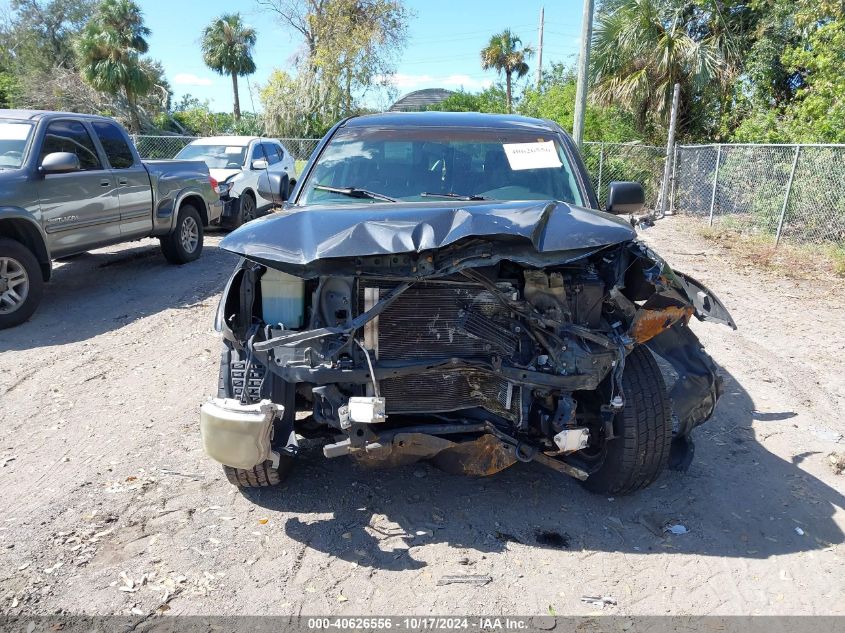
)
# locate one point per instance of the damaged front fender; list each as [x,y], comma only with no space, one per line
[698,385]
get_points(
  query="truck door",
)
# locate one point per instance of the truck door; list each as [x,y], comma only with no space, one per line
[133,181]
[80,209]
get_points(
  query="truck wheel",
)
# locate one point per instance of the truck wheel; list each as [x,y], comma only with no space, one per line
[637,456]
[260,475]
[184,243]
[21,283]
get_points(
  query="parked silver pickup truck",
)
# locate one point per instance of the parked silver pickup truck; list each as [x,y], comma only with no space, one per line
[70,183]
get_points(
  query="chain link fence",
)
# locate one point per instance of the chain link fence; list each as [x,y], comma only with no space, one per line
[301,148]
[151,147]
[608,162]
[790,192]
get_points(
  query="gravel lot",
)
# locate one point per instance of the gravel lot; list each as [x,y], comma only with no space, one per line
[108,505]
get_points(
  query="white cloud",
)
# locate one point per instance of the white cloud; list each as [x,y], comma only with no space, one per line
[467,82]
[411,82]
[189,79]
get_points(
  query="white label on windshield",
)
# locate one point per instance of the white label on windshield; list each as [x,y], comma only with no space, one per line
[532,155]
[234,149]
[14,131]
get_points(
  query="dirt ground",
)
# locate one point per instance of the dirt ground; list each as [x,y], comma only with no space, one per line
[109,506]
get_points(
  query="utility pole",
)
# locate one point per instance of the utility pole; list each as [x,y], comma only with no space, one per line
[583,69]
[540,51]
[670,151]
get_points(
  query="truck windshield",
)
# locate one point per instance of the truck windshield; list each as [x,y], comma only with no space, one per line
[427,163]
[13,140]
[215,156]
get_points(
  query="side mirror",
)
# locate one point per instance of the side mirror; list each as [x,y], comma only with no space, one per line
[259,164]
[625,197]
[273,186]
[59,163]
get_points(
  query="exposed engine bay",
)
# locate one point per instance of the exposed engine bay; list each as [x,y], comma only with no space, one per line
[472,356]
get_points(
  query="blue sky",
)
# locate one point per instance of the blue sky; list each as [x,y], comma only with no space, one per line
[445,38]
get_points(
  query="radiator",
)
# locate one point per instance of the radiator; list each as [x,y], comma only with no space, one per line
[442,321]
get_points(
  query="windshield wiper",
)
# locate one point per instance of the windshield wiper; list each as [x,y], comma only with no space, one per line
[456,196]
[355,192]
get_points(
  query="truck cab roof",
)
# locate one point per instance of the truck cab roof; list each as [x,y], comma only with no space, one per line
[37,115]
[452,119]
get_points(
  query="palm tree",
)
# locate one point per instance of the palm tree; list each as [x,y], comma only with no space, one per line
[505,55]
[227,49]
[110,50]
[642,48]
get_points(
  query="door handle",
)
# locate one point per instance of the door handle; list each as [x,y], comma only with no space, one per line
[105,183]
[122,181]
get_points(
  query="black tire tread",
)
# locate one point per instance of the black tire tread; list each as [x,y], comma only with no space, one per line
[259,476]
[637,458]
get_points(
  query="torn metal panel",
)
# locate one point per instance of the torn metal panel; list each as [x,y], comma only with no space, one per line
[706,303]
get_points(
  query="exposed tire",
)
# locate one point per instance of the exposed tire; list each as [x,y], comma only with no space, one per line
[260,475]
[184,243]
[637,456]
[21,283]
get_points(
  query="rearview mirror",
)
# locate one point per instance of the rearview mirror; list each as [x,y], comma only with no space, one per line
[59,163]
[273,186]
[625,197]
[259,164]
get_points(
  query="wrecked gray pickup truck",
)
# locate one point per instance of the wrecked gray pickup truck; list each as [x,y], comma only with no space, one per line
[444,287]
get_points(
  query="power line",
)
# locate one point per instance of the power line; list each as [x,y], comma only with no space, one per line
[463,34]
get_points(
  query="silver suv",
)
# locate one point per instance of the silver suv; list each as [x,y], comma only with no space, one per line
[237,163]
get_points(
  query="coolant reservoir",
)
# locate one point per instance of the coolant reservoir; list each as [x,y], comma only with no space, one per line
[282,299]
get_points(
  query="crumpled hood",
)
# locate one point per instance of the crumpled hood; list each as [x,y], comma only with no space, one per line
[359,230]
[220,175]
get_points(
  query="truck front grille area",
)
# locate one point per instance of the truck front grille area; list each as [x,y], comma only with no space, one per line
[442,321]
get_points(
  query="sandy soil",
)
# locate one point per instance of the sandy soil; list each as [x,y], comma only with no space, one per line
[108,505]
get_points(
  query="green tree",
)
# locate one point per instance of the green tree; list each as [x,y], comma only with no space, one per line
[642,48]
[36,45]
[816,110]
[227,49]
[492,99]
[41,32]
[555,99]
[507,56]
[350,47]
[110,50]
